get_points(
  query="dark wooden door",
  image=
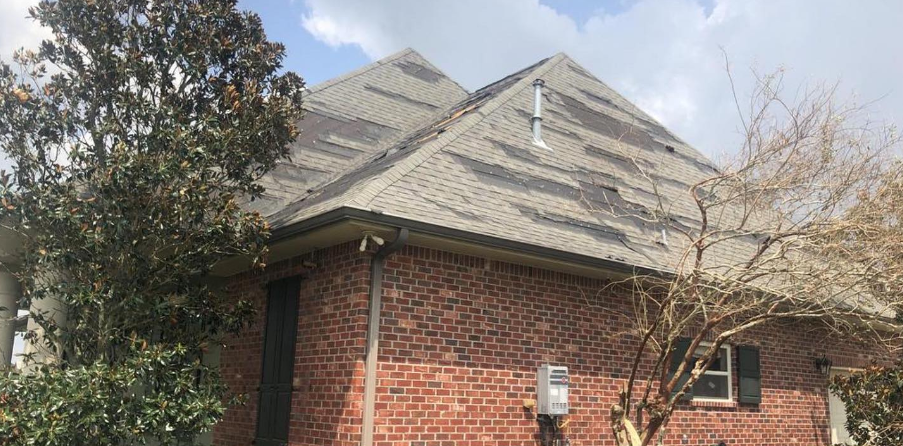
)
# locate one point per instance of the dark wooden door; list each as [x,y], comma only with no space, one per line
[274,410]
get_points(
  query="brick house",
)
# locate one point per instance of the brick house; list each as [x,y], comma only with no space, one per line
[431,251]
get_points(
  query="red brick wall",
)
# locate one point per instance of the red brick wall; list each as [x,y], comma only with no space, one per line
[328,376]
[463,337]
[461,340]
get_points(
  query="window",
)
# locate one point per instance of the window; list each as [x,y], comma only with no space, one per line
[715,383]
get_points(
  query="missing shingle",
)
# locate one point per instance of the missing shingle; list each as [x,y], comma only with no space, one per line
[399,97]
[320,128]
[606,102]
[419,71]
[669,148]
[518,182]
[603,124]
[565,223]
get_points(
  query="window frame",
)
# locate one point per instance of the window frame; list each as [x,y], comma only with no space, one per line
[729,374]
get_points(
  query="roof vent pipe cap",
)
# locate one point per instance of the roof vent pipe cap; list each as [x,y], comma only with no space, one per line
[536,120]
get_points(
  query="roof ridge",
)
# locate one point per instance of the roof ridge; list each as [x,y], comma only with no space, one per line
[366,196]
[357,72]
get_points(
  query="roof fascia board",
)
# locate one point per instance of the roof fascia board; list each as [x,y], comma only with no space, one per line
[472,238]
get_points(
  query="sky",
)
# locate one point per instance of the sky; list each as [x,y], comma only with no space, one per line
[667,56]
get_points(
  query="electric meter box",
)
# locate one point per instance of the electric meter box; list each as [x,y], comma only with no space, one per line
[552,390]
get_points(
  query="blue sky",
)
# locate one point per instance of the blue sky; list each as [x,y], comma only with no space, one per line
[306,55]
[317,61]
[666,56]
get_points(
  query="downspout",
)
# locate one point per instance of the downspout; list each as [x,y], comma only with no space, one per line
[377,263]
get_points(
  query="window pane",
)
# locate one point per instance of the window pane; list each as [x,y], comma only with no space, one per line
[719,363]
[711,386]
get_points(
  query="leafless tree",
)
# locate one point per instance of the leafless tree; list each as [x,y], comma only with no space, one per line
[801,225]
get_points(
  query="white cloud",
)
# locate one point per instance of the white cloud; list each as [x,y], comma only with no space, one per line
[17,29]
[665,55]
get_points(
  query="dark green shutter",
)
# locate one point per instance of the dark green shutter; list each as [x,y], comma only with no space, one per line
[274,410]
[681,345]
[750,374]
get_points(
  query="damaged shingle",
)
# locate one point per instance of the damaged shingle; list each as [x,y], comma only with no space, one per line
[458,212]
[565,223]
[400,97]
[579,70]
[528,156]
[601,100]
[515,152]
[619,162]
[604,124]
[505,178]
[419,71]
[613,182]
[550,126]
[339,130]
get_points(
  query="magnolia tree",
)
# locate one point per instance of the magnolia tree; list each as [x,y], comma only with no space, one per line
[785,232]
[134,132]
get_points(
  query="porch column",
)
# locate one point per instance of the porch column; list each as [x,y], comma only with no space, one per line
[211,359]
[9,305]
[52,309]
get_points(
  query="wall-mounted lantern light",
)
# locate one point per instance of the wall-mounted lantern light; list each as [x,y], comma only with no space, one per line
[823,365]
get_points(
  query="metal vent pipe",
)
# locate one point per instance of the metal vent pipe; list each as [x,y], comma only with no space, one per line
[536,120]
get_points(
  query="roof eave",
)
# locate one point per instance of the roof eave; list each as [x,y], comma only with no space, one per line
[472,238]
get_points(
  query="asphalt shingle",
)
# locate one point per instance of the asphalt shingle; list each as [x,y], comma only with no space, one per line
[473,166]
[353,116]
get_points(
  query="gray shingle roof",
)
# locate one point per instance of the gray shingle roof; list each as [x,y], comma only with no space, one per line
[474,167]
[352,116]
